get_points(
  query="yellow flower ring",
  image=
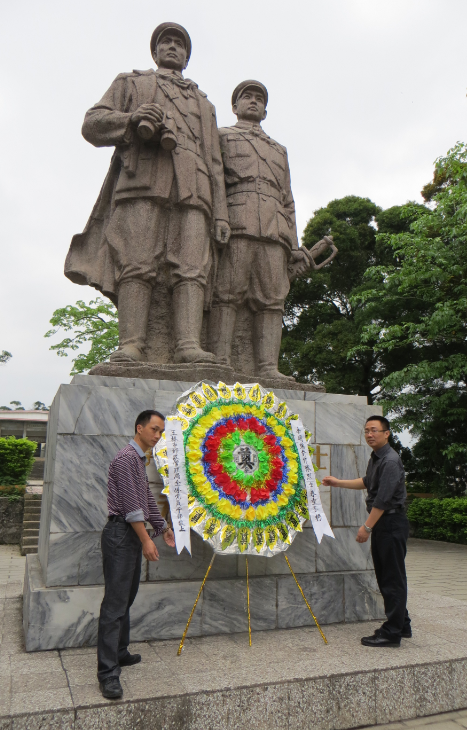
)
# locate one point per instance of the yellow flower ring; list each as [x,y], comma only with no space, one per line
[245,486]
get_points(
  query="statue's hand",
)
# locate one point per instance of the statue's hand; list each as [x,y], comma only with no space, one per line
[221,232]
[151,113]
[300,262]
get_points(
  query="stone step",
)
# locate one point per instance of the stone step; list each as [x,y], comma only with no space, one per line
[29,550]
[32,511]
[32,497]
[31,532]
[31,524]
[29,541]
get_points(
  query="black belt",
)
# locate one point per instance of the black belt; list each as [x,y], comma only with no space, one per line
[116,518]
[395,511]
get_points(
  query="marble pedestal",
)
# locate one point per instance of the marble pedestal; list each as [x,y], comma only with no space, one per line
[90,420]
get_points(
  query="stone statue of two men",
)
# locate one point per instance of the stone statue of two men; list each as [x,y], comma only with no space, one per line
[213,208]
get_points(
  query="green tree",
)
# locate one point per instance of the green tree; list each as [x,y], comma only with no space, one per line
[427,284]
[16,460]
[95,323]
[5,356]
[323,320]
[39,406]
[17,404]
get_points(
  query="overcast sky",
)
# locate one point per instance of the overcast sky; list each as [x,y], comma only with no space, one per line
[365,94]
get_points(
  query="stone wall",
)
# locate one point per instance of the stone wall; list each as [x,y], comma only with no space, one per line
[11,521]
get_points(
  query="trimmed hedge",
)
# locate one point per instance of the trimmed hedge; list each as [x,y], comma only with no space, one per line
[439,519]
[16,460]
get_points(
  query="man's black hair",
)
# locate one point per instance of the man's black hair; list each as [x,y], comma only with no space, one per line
[144,418]
[382,420]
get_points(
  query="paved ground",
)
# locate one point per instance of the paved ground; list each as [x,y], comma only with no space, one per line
[438,567]
[64,680]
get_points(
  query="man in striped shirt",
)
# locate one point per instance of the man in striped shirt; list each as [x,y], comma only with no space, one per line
[125,539]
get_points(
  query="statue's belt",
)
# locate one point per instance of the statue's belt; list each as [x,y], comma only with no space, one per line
[187,143]
[263,187]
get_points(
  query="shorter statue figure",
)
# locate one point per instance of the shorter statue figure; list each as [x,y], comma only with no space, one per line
[263,255]
[162,203]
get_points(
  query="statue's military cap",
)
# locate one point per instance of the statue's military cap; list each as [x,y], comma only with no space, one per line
[246,84]
[167,27]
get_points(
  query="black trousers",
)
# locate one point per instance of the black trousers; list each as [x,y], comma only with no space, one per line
[121,553]
[389,548]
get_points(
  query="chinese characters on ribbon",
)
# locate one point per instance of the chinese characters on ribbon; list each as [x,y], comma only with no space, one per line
[318,518]
[178,494]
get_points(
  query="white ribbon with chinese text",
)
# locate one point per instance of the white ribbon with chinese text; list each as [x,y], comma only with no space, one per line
[315,508]
[178,487]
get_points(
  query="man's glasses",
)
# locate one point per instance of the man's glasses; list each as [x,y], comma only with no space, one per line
[373,430]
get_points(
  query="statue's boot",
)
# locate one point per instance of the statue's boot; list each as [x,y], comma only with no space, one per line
[221,330]
[188,301]
[268,334]
[134,299]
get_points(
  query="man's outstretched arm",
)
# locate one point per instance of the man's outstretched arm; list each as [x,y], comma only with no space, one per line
[344,483]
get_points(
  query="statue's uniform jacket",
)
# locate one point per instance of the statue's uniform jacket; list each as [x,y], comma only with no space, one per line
[261,208]
[155,206]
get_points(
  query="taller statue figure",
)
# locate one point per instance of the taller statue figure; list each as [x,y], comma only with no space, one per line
[162,203]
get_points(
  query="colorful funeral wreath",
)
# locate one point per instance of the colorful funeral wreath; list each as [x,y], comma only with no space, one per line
[245,485]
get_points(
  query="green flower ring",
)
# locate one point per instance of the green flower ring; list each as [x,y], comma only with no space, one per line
[245,486]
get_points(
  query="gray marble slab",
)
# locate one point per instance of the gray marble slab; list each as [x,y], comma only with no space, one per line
[100,410]
[75,558]
[107,381]
[225,606]
[343,552]
[324,593]
[342,423]
[306,410]
[348,505]
[161,611]
[79,501]
[363,600]
[183,567]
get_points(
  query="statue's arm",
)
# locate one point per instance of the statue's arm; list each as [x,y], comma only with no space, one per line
[108,124]
[289,205]
[219,203]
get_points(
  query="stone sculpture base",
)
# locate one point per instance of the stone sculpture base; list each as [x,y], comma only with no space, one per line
[90,420]
[194,372]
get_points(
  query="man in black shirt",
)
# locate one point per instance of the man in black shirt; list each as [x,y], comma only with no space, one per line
[389,527]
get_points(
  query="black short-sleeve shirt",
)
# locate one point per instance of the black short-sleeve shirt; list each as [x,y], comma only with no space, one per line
[385,480]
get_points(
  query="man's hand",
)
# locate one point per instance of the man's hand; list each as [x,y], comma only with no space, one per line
[362,535]
[221,232]
[152,113]
[169,538]
[150,551]
[330,481]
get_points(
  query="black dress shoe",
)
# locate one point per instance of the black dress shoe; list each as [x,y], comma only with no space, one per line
[406,634]
[111,688]
[129,660]
[379,641]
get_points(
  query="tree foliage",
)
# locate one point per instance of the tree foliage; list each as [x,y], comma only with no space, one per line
[439,519]
[5,356]
[95,323]
[323,318]
[426,283]
[16,460]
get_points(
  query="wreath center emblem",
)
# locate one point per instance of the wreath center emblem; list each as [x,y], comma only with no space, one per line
[246,458]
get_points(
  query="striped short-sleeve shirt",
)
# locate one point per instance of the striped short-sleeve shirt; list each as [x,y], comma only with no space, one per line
[128,493]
